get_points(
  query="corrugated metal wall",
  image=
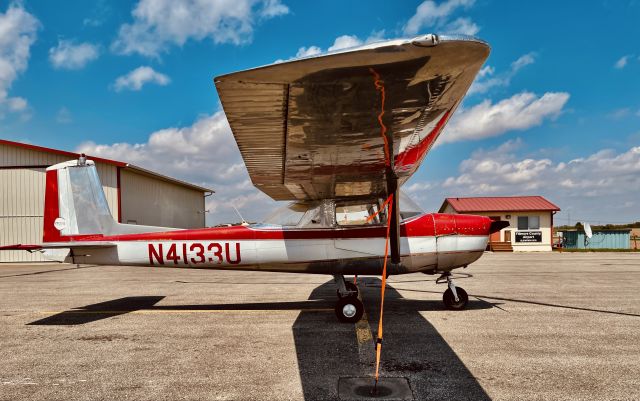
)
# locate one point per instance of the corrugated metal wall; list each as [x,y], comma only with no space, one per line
[165,204]
[22,183]
[610,239]
[21,206]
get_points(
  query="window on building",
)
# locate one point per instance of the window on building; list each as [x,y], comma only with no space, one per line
[534,222]
[528,222]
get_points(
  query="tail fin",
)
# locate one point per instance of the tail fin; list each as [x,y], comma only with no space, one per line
[75,205]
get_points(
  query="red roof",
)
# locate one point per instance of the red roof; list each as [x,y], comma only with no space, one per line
[60,152]
[500,204]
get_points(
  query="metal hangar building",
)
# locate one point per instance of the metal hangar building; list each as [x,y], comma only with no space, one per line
[134,195]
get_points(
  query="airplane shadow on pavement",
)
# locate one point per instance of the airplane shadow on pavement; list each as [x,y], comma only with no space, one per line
[99,311]
[412,348]
[328,350]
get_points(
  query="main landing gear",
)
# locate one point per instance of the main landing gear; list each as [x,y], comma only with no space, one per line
[349,308]
[454,298]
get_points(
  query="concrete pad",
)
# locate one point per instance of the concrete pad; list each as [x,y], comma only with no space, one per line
[538,327]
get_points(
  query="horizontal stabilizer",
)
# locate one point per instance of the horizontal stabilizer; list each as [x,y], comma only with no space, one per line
[31,247]
[20,247]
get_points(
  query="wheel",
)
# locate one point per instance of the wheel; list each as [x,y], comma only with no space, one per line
[351,287]
[349,309]
[450,302]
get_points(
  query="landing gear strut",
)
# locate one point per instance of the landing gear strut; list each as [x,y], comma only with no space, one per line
[454,298]
[349,308]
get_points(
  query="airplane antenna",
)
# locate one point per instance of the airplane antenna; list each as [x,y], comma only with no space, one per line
[244,222]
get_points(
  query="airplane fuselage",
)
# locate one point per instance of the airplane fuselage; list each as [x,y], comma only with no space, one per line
[429,242]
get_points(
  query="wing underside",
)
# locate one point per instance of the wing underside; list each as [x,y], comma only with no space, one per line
[339,125]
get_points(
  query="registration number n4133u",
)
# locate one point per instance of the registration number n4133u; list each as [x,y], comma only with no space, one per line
[194,253]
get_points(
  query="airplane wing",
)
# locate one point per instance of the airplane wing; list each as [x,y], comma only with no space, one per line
[346,123]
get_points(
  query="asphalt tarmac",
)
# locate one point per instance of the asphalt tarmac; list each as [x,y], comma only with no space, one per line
[538,327]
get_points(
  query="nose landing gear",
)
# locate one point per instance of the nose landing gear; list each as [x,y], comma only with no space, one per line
[349,308]
[454,298]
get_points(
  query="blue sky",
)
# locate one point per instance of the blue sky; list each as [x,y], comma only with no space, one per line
[555,111]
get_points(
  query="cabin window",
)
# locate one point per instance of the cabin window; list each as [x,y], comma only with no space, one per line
[358,214]
[528,222]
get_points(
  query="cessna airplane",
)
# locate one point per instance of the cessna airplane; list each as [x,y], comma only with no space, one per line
[337,134]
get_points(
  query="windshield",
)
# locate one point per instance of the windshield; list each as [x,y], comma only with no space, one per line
[408,208]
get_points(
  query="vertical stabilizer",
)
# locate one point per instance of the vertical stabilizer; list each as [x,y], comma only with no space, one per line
[75,206]
[75,203]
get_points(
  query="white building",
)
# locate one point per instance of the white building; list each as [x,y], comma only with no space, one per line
[530,220]
[134,195]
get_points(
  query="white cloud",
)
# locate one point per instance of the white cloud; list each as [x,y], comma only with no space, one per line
[99,14]
[204,153]
[16,104]
[71,56]
[522,61]
[619,114]
[341,42]
[519,112]
[136,79]
[18,31]
[486,79]
[273,8]
[584,184]
[158,24]
[432,15]
[345,41]
[622,61]
[64,116]
[93,22]
[308,51]
[461,25]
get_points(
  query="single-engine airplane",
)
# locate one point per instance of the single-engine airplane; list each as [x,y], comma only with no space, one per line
[337,134]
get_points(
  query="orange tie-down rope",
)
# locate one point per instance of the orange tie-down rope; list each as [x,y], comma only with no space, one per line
[389,204]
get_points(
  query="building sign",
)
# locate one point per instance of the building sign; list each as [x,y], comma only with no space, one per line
[528,236]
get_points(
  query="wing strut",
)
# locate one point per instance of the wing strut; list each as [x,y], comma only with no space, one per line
[394,223]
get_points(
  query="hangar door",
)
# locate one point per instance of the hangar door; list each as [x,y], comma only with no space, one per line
[21,211]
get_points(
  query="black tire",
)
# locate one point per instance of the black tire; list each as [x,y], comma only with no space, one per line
[349,309]
[351,287]
[450,302]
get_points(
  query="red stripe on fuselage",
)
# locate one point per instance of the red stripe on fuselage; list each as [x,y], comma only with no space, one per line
[422,226]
